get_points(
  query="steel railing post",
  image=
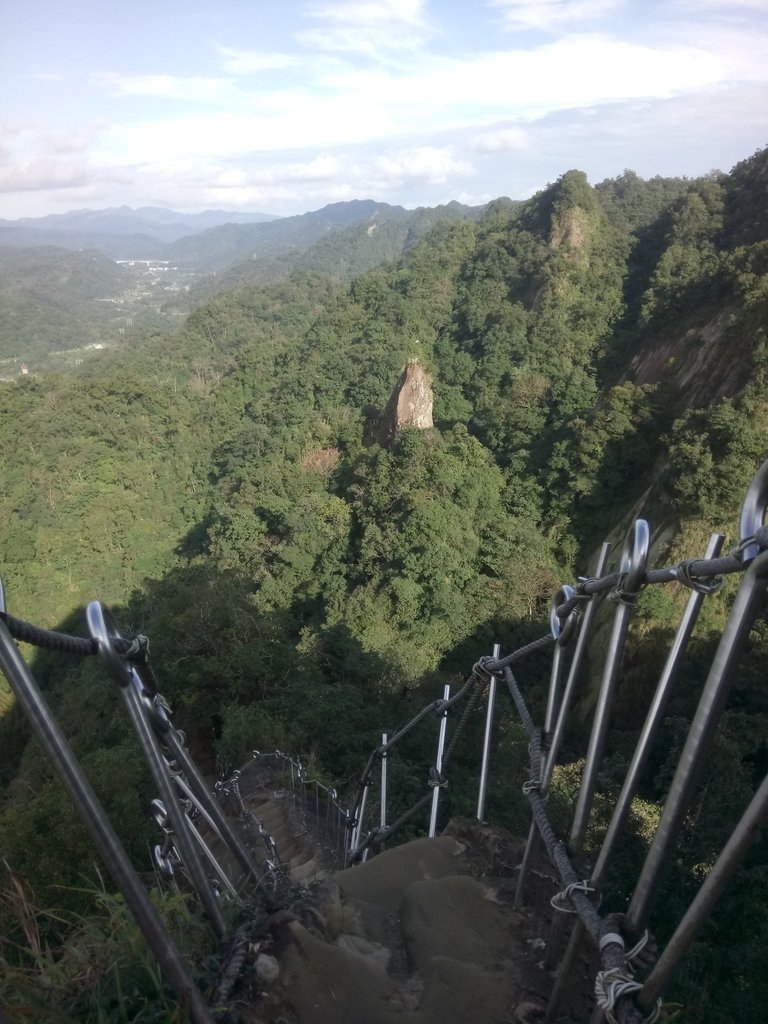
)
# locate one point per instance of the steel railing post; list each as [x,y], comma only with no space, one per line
[359,826]
[439,764]
[754,818]
[667,680]
[204,798]
[745,607]
[383,817]
[99,827]
[561,633]
[130,685]
[633,562]
[653,721]
[573,673]
[484,765]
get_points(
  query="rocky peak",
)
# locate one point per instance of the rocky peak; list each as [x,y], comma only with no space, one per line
[410,404]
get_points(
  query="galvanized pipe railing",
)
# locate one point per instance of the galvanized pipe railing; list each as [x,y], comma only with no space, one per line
[362,841]
[754,818]
[667,680]
[634,561]
[748,599]
[129,684]
[155,732]
[486,755]
[99,827]
[331,823]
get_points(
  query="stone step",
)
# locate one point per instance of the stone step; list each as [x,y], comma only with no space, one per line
[424,933]
[306,870]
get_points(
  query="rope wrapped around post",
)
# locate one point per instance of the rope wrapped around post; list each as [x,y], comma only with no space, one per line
[612,955]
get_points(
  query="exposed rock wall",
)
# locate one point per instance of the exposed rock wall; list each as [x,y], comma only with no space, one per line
[410,404]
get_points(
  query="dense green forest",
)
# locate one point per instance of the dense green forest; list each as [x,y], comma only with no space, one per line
[594,351]
[53,299]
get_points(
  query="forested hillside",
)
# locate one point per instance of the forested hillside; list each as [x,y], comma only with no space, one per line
[57,305]
[591,350]
[52,299]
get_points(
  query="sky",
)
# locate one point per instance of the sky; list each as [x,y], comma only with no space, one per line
[282,107]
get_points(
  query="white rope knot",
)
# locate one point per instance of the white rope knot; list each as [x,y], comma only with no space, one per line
[531,786]
[614,983]
[562,900]
[610,986]
[637,956]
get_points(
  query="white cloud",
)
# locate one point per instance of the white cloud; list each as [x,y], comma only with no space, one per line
[252,62]
[551,14]
[321,168]
[386,99]
[378,13]
[42,173]
[190,89]
[501,140]
[374,28]
[721,7]
[348,106]
[36,158]
[434,164]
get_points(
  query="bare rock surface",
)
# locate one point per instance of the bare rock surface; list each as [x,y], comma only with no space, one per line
[417,935]
[410,404]
[423,933]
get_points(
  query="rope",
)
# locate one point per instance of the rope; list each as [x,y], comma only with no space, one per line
[614,984]
[136,650]
[563,901]
[493,665]
[615,971]
[621,594]
[48,638]
[238,951]
[474,696]
[702,574]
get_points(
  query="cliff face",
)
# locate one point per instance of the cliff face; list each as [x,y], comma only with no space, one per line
[706,362]
[410,404]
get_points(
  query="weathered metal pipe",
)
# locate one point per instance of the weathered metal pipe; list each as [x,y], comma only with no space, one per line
[653,721]
[206,802]
[573,673]
[754,818]
[633,562]
[383,816]
[553,697]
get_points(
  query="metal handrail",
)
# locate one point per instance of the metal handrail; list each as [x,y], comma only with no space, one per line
[159,741]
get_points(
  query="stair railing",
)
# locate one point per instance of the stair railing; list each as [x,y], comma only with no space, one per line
[572,619]
[184,796]
[95,819]
[323,815]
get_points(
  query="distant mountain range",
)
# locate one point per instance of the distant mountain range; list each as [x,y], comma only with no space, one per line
[60,288]
[120,231]
[216,241]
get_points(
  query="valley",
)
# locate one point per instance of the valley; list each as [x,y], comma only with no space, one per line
[221,480]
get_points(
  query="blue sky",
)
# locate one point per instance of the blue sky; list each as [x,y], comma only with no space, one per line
[285,106]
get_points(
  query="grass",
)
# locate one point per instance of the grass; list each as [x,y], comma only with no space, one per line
[58,968]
